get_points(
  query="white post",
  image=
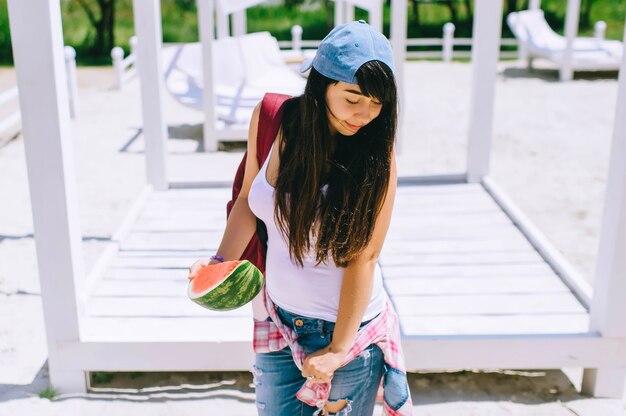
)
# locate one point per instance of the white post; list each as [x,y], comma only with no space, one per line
[117,56]
[239,23]
[296,38]
[221,20]
[485,53]
[133,47]
[566,72]
[599,30]
[340,12]
[534,4]
[205,11]
[72,83]
[608,309]
[348,13]
[147,17]
[376,16]
[37,39]
[398,43]
[448,41]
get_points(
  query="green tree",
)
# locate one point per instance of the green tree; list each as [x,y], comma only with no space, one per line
[101,15]
[585,13]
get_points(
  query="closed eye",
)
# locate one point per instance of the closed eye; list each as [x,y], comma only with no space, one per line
[352,102]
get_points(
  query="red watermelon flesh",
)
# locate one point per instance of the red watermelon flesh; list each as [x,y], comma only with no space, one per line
[225,286]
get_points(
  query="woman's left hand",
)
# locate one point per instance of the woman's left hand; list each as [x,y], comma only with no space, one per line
[322,364]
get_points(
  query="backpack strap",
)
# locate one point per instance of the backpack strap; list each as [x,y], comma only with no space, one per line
[269,124]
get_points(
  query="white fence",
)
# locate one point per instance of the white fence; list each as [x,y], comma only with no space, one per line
[11,96]
[125,68]
[445,45]
[14,118]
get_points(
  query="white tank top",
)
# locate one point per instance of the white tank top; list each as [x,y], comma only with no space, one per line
[312,290]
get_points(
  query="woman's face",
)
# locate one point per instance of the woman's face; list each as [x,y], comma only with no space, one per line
[349,110]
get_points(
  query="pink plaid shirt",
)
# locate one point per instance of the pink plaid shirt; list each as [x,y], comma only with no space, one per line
[384,331]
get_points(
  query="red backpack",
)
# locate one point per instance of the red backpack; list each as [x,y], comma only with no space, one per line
[269,123]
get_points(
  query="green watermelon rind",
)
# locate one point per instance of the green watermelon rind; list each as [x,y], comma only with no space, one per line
[245,280]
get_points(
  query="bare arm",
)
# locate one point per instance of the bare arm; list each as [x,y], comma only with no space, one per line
[356,291]
[241,223]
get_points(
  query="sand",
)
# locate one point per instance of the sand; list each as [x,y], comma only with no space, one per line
[550,153]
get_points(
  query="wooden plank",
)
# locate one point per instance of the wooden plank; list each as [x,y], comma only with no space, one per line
[476,285]
[499,325]
[454,188]
[443,271]
[608,304]
[434,232]
[486,30]
[142,288]
[469,259]
[459,305]
[149,263]
[459,246]
[146,274]
[448,221]
[214,329]
[164,253]
[197,240]
[37,38]
[147,18]
[177,306]
[425,353]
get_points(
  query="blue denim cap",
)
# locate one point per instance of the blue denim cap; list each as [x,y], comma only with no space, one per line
[346,48]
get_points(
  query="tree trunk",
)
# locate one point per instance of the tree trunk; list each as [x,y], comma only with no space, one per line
[470,10]
[453,12]
[585,15]
[103,23]
[416,12]
[511,6]
[330,18]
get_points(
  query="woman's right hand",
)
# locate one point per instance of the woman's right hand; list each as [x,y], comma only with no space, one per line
[193,270]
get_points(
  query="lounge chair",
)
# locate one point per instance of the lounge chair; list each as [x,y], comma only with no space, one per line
[244,68]
[537,40]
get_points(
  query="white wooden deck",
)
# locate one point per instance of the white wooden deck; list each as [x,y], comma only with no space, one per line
[455,265]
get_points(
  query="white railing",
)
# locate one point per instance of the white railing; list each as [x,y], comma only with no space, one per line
[125,68]
[12,94]
[72,83]
[14,118]
[445,44]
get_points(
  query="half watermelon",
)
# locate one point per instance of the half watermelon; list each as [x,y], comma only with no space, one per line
[225,286]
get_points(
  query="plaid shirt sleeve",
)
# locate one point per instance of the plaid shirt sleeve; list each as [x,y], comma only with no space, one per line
[384,331]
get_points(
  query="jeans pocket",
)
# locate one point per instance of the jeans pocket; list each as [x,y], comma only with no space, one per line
[396,389]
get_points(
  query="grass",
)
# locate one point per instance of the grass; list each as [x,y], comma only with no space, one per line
[180,24]
[49,393]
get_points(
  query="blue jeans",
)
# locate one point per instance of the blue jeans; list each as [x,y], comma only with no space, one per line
[277,378]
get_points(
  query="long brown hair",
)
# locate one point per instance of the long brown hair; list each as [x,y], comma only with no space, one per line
[339,221]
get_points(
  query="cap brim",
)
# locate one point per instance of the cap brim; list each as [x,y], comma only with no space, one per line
[306,65]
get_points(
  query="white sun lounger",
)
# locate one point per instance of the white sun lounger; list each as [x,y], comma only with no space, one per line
[537,40]
[244,69]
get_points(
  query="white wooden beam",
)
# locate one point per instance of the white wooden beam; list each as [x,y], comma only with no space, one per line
[566,72]
[608,307]
[221,20]
[239,20]
[398,43]
[147,18]
[422,353]
[485,53]
[206,24]
[37,40]
[340,12]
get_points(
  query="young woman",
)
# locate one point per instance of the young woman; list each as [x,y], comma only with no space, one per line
[325,193]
